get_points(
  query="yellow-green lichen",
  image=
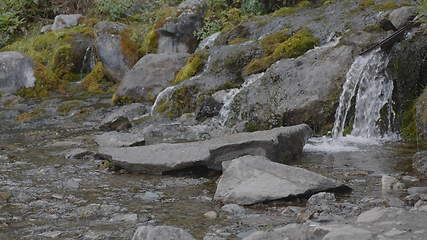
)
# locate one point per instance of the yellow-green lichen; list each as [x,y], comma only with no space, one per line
[47,82]
[150,42]
[271,41]
[52,55]
[32,115]
[285,11]
[292,47]
[193,66]
[96,81]
[65,108]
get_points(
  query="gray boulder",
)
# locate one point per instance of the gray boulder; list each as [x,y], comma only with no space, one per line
[177,34]
[16,72]
[119,117]
[116,139]
[420,162]
[253,179]
[161,232]
[109,51]
[151,74]
[399,17]
[65,21]
[292,91]
[281,145]
[291,231]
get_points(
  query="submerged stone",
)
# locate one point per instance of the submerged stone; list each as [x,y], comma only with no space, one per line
[282,144]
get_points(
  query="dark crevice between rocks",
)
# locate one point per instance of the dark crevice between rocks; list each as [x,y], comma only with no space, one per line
[301,199]
[194,172]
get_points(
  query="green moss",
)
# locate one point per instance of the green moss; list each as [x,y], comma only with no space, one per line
[373,28]
[409,124]
[47,82]
[52,55]
[182,101]
[122,100]
[292,47]
[150,42]
[96,81]
[386,6]
[193,66]
[271,41]
[238,41]
[285,11]
[366,3]
[32,115]
[65,108]
[254,127]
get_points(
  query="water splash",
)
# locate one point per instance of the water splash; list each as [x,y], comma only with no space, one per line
[229,98]
[367,76]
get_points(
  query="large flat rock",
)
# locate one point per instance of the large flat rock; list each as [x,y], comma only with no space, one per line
[252,179]
[282,145]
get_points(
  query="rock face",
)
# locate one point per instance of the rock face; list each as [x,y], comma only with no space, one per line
[399,17]
[298,90]
[16,71]
[65,21]
[177,34]
[280,145]
[109,50]
[161,232]
[407,69]
[150,75]
[252,179]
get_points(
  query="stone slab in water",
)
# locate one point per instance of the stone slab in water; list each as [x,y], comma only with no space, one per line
[282,144]
[253,179]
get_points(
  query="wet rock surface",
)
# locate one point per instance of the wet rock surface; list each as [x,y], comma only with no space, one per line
[252,179]
[280,144]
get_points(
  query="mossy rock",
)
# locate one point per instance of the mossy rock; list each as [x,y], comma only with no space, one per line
[286,11]
[65,108]
[291,47]
[193,66]
[182,101]
[35,114]
[54,58]
[97,81]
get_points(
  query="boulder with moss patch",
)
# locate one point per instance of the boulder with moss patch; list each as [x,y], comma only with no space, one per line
[111,49]
[292,91]
[16,72]
[177,34]
[150,75]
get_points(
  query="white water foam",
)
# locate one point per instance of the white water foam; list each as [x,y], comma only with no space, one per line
[162,96]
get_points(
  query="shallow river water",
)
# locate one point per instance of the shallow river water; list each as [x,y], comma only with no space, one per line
[43,195]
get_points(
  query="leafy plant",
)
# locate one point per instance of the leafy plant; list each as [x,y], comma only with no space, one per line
[114,9]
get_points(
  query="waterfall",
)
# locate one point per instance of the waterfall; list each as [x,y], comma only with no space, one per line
[229,98]
[88,63]
[368,78]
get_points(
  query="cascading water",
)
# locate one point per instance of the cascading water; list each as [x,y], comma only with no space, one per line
[162,96]
[88,63]
[367,77]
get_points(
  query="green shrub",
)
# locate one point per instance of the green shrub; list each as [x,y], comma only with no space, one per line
[114,9]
